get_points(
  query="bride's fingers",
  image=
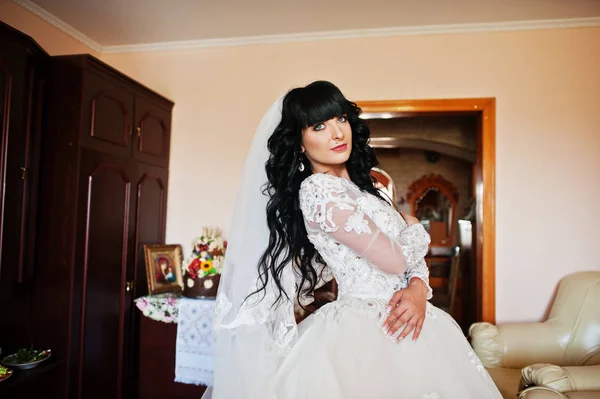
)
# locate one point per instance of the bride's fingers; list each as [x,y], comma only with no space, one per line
[395,319]
[418,329]
[388,326]
[410,326]
[395,300]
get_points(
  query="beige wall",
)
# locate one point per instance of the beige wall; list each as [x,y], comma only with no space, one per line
[547,87]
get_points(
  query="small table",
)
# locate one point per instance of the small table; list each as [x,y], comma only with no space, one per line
[157,349]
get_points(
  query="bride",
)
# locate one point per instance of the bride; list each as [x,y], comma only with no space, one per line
[307,211]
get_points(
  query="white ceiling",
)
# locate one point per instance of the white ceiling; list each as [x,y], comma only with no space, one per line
[129,22]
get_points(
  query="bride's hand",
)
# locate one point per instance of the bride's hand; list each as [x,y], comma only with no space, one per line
[410,220]
[408,307]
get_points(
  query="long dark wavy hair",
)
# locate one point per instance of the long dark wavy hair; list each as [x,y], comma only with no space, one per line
[288,241]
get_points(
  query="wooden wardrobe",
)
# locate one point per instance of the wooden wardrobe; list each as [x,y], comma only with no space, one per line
[103,194]
[84,156]
[22,76]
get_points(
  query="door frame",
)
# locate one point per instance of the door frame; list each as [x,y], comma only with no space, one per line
[484,179]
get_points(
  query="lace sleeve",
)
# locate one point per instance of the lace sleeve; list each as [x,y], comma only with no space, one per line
[418,241]
[329,207]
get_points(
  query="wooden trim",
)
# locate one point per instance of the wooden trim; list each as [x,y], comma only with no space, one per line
[424,106]
[488,268]
[486,109]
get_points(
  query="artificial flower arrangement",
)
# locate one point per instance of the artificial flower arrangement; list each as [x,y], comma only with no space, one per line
[202,269]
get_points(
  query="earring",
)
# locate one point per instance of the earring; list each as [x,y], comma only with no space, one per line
[301,166]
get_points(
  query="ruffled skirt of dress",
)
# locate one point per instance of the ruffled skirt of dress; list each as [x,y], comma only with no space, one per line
[343,354]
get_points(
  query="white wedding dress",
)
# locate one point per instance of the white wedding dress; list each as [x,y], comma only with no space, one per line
[342,351]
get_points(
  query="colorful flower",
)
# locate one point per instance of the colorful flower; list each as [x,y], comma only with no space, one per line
[206,257]
[206,265]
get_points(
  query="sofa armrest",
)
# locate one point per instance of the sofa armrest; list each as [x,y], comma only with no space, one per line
[515,345]
[562,379]
[541,393]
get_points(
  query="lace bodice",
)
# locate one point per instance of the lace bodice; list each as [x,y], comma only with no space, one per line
[368,247]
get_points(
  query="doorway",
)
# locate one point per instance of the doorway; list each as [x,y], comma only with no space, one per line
[481,279]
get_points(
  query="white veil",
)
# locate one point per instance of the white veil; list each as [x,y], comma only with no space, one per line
[252,336]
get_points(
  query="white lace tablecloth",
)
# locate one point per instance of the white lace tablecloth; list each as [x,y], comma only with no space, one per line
[195,342]
[160,307]
[195,337]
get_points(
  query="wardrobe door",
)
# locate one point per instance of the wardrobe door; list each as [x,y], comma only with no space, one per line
[150,216]
[107,115]
[152,131]
[149,220]
[20,119]
[12,129]
[104,275]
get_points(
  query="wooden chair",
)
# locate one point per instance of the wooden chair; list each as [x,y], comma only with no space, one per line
[447,300]
[323,295]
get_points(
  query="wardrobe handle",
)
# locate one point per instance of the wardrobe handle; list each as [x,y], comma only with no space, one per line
[139,132]
[129,286]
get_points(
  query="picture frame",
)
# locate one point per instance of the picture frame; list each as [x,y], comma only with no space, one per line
[163,267]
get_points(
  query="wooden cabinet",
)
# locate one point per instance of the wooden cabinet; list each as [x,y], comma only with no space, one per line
[21,89]
[107,115]
[119,119]
[104,191]
[152,127]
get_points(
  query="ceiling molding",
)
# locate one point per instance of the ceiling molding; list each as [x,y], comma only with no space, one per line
[307,37]
[60,24]
[357,33]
